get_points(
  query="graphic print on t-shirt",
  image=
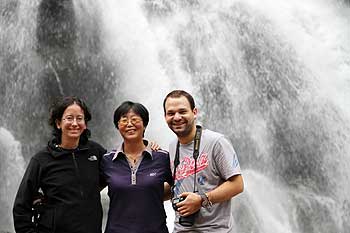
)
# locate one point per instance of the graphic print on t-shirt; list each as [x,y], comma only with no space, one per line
[186,166]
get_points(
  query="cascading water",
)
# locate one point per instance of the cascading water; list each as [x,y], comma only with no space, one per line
[271,75]
[11,167]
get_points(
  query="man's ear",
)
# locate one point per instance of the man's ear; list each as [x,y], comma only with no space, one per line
[195,112]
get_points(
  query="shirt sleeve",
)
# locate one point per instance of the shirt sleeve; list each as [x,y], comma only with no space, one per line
[28,189]
[102,181]
[168,176]
[226,159]
[103,178]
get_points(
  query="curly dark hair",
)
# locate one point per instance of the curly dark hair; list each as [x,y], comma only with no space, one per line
[56,112]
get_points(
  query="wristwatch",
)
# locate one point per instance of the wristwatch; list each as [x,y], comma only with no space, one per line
[206,203]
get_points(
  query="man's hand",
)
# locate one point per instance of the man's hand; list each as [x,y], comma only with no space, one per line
[154,146]
[190,205]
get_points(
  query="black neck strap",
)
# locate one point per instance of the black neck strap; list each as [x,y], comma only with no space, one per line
[197,140]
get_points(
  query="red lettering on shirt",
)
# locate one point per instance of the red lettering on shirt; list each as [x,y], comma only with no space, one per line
[186,166]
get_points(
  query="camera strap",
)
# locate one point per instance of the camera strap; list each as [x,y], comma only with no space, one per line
[197,140]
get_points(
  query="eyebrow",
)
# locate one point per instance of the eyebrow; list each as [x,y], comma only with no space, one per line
[130,116]
[77,116]
[177,110]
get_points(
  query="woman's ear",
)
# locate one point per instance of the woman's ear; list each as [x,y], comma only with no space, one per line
[58,124]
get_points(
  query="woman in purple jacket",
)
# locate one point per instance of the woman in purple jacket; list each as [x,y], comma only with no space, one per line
[135,176]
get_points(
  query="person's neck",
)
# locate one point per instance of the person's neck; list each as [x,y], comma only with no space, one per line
[133,149]
[188,138]
[69,144]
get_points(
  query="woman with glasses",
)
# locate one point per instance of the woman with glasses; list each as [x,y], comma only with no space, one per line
[135,176]
[66,173]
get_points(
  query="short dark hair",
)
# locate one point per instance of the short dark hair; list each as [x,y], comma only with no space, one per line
[56,112]
[178,94]
[125,107]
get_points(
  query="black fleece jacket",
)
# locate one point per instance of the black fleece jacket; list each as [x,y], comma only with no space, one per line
[70,181]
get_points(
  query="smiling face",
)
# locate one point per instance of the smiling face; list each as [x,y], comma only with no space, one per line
[179,116]
[131,126]
[72,124]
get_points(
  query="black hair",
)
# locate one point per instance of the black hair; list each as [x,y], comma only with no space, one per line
[56,112]
[178,94]
[125,107]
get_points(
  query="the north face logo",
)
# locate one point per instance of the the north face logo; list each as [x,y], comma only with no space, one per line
[92,158]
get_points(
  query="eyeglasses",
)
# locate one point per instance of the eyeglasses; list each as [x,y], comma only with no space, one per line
[133,120]
[70,119]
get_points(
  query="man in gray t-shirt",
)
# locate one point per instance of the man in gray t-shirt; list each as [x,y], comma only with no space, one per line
[218,175]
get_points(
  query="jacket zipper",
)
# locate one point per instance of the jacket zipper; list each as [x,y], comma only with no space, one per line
[78,176]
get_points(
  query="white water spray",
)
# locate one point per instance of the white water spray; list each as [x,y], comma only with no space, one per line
[273,76]
[11,170]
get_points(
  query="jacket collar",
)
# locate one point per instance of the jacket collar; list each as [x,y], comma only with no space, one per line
[146,152]
[57,151]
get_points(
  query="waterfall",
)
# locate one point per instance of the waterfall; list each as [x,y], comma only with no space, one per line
[273,76]
[11,169]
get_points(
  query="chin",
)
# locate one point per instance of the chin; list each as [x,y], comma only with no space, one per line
[132,138]
[74,135]
[178,132]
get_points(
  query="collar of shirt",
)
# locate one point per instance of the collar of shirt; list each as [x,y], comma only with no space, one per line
[146,152]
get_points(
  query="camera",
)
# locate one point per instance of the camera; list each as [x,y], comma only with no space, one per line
[184,221]
[176,200]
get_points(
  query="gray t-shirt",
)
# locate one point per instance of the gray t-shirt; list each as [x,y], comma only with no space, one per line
[217,161]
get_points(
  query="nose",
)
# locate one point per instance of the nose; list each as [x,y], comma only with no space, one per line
[129,123]
[75,121]
[177,116]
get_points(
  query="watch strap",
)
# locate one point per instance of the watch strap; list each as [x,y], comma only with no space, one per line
[206,203]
